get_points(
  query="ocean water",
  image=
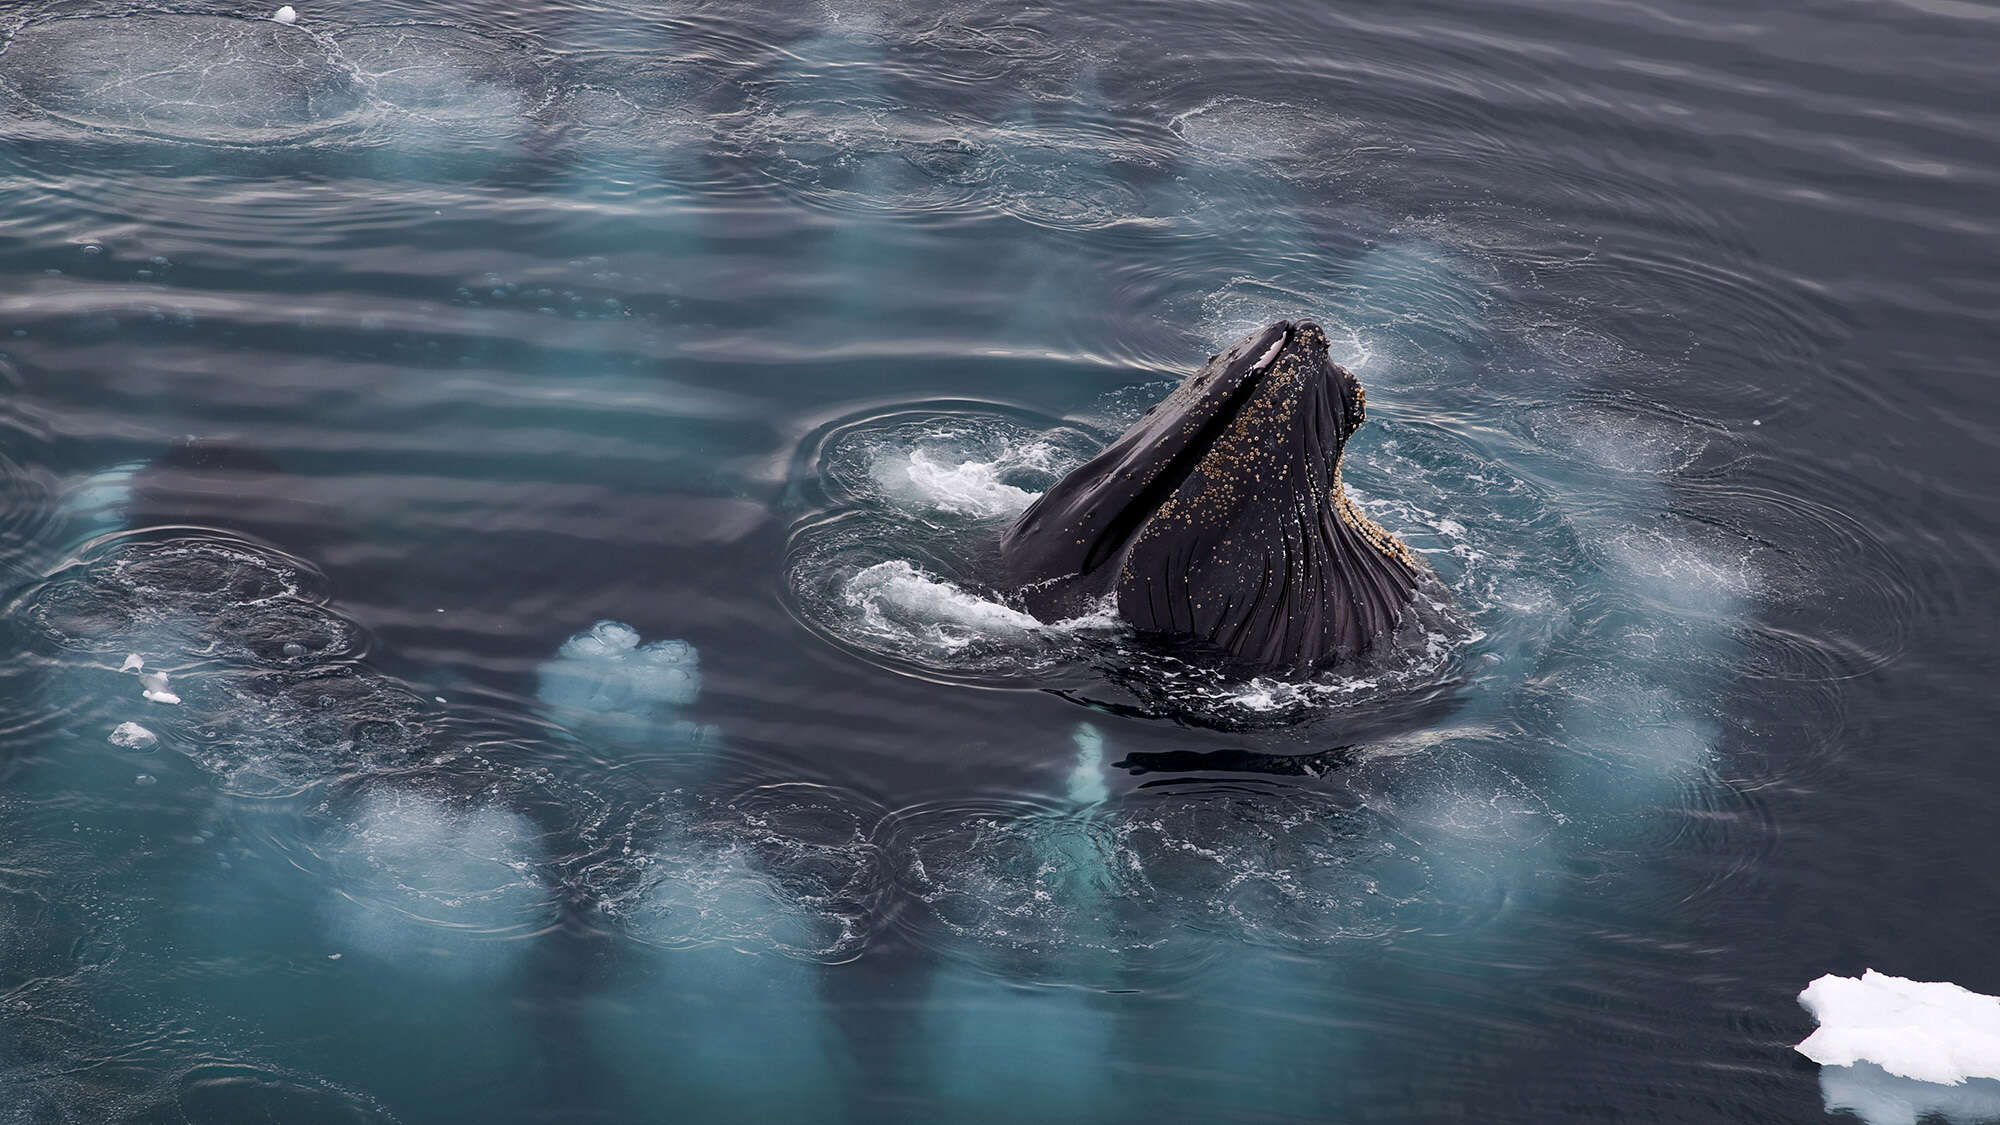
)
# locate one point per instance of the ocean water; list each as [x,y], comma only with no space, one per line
[491,617]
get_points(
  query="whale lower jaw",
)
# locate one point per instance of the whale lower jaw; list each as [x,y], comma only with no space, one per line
[1303,588]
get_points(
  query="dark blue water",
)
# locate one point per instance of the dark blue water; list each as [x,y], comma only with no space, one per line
[546,448]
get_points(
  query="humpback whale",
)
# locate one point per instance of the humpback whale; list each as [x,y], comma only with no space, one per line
[1219,520]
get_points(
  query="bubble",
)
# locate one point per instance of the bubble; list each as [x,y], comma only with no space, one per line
[787,868]
[448,78]
[440,881]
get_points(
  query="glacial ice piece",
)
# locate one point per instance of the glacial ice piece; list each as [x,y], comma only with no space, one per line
[1931,1031]
[285,14]
[153,685]
[132,736]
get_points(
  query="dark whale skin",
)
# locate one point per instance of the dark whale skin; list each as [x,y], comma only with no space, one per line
[1219,519]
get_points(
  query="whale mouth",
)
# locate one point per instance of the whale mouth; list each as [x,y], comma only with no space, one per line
[1081,529]
[1233,390]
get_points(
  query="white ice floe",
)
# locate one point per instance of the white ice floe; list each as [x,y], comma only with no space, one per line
[153,685]
[285,14]
[132,736]
[133,663]
[1931,1031]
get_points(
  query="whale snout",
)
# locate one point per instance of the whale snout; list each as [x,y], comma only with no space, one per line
[1219,518]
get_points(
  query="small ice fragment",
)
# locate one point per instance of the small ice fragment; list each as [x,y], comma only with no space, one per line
[1932,1031]
[144,779]
[133,663]
[333,956]
[132,736]
[154,687]
[294,648]
[285,15]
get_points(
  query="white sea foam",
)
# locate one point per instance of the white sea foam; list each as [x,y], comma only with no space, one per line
[1931,1031]
[897,598]
[967,488]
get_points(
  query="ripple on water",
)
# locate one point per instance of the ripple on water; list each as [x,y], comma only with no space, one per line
[894,571]
[1165,879]
[184,598]
[447,77]
[440,876]
[789,867]
[185,77]
[214,79]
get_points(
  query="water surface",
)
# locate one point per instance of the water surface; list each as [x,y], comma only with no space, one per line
[547,450]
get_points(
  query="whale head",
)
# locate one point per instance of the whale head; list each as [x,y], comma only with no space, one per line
[1219,519]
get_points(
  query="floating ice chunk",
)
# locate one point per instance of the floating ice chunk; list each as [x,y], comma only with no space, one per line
[606,669]
[153,685]
[133,663]
[132,736]
[1932,1031]
[285,14]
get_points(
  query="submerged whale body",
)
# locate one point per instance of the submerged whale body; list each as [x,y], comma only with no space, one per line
[1219,519]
